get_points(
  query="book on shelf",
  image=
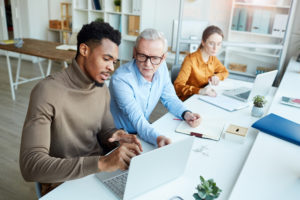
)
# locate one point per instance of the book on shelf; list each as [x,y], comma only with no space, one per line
[242,22]
[279,25]
[96,4]
[265,22]
[261,21]
[133,25]
[235,19]
[256,21]
[208,129]
[291,101]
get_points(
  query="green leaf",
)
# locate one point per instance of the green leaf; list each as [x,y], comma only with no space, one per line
[202,179]
[196,196]
[202,194]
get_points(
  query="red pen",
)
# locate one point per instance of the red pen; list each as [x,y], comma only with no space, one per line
[177,119]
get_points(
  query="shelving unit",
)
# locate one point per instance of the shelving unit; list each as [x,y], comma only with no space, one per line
[84,12]
[58,35]
[251,38]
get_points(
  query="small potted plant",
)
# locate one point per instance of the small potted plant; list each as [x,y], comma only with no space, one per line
[117,5]
[207,190]
[258,106]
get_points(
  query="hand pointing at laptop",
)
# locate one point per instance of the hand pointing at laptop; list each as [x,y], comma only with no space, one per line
[119,158]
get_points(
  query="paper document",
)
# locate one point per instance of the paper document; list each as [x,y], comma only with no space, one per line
[209,129]
[67,47]
[224,102]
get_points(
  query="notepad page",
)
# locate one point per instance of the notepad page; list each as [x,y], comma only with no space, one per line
[209,128]
[224,102]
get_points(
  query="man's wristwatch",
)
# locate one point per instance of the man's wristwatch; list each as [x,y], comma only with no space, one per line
[182,115]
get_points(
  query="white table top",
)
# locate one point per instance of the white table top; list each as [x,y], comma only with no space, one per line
[221,160]
[272,170]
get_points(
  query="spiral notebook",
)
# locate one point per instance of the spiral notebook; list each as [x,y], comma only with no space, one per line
[208,129]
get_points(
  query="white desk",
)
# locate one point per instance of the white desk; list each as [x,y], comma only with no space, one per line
[223,163]
[272,170]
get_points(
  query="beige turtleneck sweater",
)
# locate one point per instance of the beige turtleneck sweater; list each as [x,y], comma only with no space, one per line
[66,113]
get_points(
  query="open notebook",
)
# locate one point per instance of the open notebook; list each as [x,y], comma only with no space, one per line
[209,129]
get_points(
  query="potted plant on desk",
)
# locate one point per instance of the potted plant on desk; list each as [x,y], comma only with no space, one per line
[207,190]
[258,106]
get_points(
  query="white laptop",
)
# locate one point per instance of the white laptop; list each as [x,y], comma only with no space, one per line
[262,84]
[149,170]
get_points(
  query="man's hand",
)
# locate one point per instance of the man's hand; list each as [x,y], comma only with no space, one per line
[162,141]
[119,158]
[214,80]
[193,119]
[208,91]
[123,137]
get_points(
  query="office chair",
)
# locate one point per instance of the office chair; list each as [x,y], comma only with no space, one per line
[38,188]
[174,72]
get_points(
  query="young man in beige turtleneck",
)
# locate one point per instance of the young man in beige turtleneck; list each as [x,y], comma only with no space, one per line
[69,127]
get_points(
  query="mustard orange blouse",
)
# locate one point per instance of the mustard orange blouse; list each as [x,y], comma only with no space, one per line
[194,74]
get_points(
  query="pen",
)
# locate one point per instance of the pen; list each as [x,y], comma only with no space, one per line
[177,119]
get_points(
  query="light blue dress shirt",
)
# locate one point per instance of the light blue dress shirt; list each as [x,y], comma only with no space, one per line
[133,99]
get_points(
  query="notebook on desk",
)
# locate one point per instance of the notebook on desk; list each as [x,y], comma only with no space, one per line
[208,129]
[149,170]
[262,84]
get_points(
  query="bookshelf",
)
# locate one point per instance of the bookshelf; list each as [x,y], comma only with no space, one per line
[258,34]
[130,19]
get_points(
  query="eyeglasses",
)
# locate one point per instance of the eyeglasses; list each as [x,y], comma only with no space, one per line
[155,60]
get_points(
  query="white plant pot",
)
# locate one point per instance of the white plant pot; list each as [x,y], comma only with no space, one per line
[257,111]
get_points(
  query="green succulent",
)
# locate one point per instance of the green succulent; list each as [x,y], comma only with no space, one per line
[207,190]
[259,101]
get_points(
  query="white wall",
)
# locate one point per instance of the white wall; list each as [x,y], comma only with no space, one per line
[166,11]
[54,8]
[216,12]
[37,11]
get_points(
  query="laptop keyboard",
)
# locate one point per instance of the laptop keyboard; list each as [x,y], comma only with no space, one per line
[244,95]
[117,184]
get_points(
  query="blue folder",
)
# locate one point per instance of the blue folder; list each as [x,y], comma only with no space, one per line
[279,127]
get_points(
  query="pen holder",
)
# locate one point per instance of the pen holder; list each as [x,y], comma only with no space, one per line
[236,133]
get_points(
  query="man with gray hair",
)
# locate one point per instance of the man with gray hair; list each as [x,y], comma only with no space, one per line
[137,86]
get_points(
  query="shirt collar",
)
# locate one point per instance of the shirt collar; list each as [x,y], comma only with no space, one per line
[78,77]
[201,58]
